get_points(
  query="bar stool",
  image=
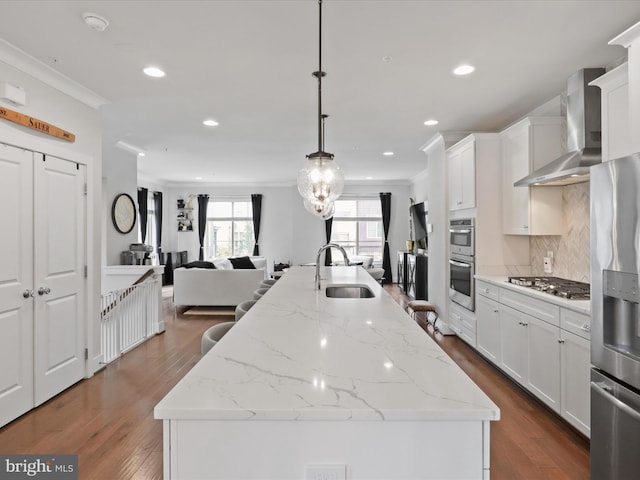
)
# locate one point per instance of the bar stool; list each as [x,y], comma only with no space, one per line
[426,307]
[243,308]
[257,295]
[268,283]
[213,335]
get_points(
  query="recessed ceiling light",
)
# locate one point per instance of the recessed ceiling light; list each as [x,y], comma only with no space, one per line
[95,21]
[198,178]
[431,122]
[575,175]
[464,70]
[141,154]
[153,72]
[388,154]
[210,123]
[368,178]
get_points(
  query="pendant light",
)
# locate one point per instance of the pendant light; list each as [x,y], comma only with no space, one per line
[320,181]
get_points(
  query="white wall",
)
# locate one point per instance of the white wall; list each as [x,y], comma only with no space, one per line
[53,106]
[431,185]
[288,233]
[120,173]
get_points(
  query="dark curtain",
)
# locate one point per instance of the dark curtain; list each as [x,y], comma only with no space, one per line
[256,207]
[203,201]
[328,223]
[385,200]
[142,211]
[157,202]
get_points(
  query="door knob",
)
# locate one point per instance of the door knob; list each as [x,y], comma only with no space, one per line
[44,290]
[27,293]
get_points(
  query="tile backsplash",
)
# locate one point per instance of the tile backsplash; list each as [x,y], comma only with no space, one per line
[570,251]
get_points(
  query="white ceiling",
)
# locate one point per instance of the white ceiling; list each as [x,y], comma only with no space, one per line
[248,65]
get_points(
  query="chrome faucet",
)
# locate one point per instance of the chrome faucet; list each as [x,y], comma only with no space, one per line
[322,249]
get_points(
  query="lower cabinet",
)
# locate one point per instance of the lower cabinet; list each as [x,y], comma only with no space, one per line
[463,323]
[488,330]
[550,357]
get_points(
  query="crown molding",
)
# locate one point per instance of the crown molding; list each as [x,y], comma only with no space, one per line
[13,56]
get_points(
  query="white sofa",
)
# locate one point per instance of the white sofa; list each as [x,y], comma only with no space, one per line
[222,286]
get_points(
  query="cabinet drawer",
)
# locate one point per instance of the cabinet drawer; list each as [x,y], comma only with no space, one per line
[488,290]
[575,322]
[536,308]
[463,317]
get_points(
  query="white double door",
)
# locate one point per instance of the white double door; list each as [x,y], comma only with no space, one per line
[42,281]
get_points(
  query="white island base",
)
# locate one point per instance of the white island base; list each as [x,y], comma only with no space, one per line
[310,387]
[283,450]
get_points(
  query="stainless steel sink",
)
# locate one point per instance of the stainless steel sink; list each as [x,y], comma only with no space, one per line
[349,291]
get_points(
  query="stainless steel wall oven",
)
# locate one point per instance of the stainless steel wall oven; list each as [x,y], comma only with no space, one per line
[461,262]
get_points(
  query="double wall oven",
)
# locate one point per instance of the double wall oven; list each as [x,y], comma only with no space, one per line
[461,262]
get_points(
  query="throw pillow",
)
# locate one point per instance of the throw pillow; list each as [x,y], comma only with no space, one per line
[199,264]
[242,263]
[222,264]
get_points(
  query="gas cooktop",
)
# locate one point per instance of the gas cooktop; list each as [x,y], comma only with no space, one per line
[559,287]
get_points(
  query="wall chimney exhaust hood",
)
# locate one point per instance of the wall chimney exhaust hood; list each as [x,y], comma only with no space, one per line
[583,135]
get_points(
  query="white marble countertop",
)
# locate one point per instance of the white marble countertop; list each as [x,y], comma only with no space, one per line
[580,306]
[298,355]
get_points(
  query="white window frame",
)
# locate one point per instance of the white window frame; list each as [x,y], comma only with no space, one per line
[209,254]
[357,220]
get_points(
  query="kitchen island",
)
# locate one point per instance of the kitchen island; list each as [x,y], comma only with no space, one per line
[305,383]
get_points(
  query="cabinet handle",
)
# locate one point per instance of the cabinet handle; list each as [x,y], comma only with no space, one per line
[525,226]
[44,291]
[486,290]
[496,311]
[524,324]
[586,327]
[27,293]
[560,340]
[459,203]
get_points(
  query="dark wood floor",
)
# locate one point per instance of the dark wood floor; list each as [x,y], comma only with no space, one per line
[108,419]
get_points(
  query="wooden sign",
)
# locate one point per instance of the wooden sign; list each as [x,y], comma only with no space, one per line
[35,124]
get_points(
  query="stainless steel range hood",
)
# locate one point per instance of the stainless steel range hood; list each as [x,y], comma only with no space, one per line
[583,135]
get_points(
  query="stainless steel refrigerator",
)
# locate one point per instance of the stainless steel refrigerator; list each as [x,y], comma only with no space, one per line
[615,319]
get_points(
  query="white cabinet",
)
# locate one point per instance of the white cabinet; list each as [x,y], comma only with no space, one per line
[543,375]
[513,344]
[463,323]
[540,345]
[531,354]
[526,146]
[575,370]
[462,174]
[616,129]
[488,321]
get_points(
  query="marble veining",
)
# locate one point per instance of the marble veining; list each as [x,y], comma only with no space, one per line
[299,355]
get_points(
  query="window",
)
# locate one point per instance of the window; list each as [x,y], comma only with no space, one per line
[229,229]
[357,226]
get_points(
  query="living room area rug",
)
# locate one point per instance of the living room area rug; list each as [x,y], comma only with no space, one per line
[210,311]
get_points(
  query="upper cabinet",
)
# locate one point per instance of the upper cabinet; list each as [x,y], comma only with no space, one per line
[526,146]
[616,129]
[462,174]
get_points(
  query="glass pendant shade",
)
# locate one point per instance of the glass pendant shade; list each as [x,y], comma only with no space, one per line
[320,180]
[324,210]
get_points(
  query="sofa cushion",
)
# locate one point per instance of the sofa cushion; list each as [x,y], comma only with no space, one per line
[222,263]
[242,263]
[199,264]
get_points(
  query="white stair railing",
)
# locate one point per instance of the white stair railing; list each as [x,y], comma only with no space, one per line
[129,317]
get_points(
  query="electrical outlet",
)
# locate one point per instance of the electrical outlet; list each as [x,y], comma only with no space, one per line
[548,267]
[325,472]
